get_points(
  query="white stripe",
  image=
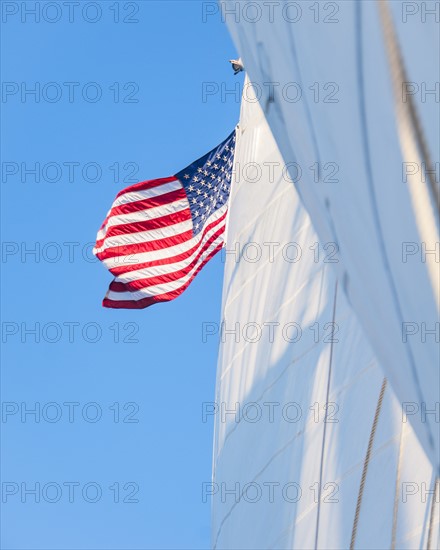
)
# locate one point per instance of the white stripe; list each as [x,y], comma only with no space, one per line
[143,215]
[162,253]
[145,236]
[164,287]
[165,269]
[147,193]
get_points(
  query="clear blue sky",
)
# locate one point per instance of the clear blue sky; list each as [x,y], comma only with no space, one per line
[169,372]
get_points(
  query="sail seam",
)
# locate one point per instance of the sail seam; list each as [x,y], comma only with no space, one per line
[431,517]
[229,300]
[375,453]
[274,456]
[273,316]
[338,481]
[286,369]
[321,466]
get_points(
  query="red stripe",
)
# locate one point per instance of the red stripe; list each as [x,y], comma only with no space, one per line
[138,284]
[147,225]
[137,248]
[150,202]
[145,302]
[144,204]
[150,246]
[147,184]
[126,268]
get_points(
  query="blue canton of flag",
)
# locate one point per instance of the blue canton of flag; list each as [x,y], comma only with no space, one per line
[207,182]
[159,233]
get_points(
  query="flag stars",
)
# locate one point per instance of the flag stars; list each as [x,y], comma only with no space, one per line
[207,184]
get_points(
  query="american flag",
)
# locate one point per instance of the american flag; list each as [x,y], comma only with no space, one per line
[159,234]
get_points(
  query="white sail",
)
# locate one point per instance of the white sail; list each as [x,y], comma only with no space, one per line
[337,98]
[282,477]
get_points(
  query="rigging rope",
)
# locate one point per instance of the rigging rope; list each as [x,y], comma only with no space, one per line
[397,490]
[366,463]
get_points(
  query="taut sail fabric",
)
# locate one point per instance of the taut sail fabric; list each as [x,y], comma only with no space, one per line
[328,81]
[311,449]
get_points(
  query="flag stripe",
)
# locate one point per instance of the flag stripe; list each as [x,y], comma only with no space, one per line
[136,216]
[146,236]
[134,261]
[165,296]
[149,225]
[138,195]
[158,234]
[128,252]
[147,184]
[148,203]
[153,275]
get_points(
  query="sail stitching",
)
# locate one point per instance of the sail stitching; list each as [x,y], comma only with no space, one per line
[431,517]
[375,453]
[321,466]
[275,314]
[261,267]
